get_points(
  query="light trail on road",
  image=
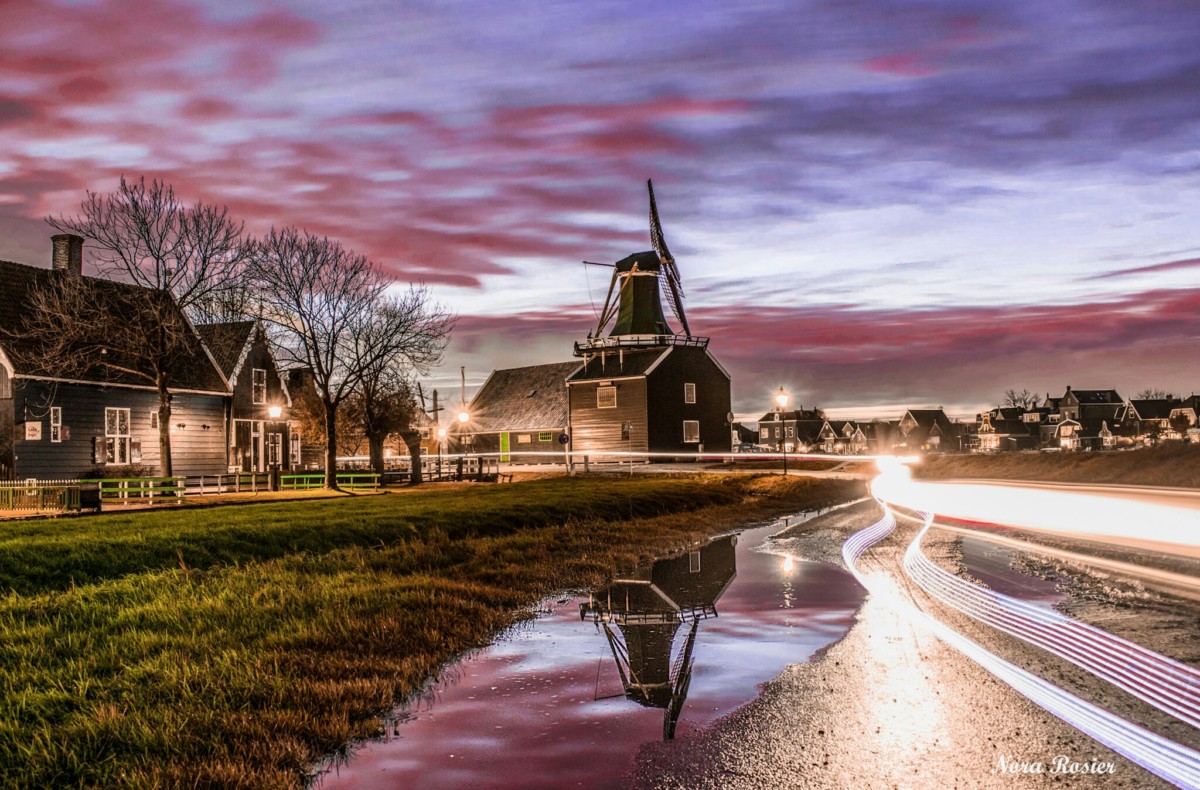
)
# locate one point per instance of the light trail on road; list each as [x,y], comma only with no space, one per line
[1159,755]
[1168,685]
[1119,520]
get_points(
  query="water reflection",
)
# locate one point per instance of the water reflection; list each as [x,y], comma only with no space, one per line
[993,565]
[567,699]
[642,615]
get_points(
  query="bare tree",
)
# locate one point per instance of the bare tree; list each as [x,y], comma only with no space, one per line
[165,256]
[1021,400]
[333,314]
[1154,394]
[406,335]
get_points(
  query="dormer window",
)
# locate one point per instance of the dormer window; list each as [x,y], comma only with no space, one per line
[258,386]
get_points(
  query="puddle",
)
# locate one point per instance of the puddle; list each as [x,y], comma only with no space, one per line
[992,564]
[565,700]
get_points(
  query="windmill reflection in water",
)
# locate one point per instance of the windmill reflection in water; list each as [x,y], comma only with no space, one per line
[643,614]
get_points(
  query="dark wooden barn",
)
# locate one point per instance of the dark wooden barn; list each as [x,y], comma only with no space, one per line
[52,427]
[673,399]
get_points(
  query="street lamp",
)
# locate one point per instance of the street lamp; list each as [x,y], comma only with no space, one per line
[782,399]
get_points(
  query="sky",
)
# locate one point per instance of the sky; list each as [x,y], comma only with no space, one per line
[873,205]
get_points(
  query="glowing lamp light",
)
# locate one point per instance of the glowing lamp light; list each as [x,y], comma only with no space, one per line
[274,412]
[464,417]
[441,433]
[782,398]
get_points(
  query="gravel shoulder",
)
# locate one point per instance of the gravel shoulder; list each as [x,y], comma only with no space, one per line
[892,706]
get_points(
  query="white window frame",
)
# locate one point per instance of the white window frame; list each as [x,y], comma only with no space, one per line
[764,433]
[691,436]
[791,431]
[604,402]
[56,423]
[118,443]
[258,386]
[689,393]
[154,419]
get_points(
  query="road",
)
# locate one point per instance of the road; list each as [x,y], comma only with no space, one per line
[904,700]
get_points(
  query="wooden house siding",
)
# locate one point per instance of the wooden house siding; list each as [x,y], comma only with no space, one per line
[243,408]
[668,408]
[195,449]
[596,430]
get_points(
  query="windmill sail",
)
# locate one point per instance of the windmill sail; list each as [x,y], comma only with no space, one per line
[669,277]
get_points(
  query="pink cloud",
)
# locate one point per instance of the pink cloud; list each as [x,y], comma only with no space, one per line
[852,357]
[901,64]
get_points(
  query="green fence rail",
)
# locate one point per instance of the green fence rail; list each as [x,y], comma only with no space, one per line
[351,481]
[165,490]
[39,497]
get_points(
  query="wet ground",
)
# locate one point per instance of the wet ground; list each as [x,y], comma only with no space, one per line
[892,706]
[567,699]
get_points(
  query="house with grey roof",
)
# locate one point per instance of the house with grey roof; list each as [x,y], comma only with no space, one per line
[519,413]
[104,415]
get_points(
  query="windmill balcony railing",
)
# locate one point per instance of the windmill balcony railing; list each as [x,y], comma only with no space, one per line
[596,344]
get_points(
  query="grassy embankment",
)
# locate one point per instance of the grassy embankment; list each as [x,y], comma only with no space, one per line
[234,646]
[1169,465]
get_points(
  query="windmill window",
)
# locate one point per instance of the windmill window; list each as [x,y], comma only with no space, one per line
[259,386]
[694,562]
[691,431]
[689,393]
[524,438]
[546,436]
[606,397]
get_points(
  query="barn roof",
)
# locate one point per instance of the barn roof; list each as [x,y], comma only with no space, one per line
[522,399]
[191,370]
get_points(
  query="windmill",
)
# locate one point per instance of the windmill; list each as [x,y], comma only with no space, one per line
[633,306]
[642,617]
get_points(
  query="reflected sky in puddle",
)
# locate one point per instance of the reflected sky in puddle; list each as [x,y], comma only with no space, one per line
[565,700]
[991,564]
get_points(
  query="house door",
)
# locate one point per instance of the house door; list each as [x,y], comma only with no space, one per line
[504,446]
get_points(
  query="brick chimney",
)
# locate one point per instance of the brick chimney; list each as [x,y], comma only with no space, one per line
[68,253]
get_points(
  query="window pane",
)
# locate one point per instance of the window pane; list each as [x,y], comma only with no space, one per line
[123,422]
[110,422]
[606,398]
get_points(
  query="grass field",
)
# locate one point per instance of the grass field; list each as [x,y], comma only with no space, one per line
[236,646]
[1169,465]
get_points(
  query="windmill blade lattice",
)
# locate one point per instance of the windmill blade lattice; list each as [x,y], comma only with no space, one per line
[671,288]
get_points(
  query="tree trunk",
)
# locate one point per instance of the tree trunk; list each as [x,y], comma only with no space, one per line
[330,446]
[375,441]
[166,468]
[412,439]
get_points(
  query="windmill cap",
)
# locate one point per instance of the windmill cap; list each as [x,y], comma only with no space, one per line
[646,262]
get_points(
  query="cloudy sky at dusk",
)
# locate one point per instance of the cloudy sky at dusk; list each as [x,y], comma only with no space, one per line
[871,204]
